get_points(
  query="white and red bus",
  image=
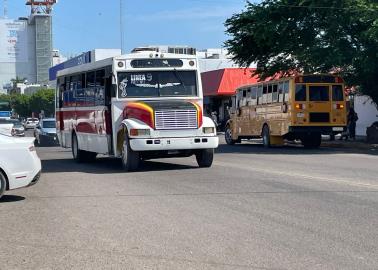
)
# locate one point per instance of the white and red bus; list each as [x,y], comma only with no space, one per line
[139,106]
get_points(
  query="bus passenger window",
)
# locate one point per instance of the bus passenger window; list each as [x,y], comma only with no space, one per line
[300,92]
[286,90]
[254,96]
[100,88]
[259,95]
[265,94]
[337,93]
[270,93]
[275,93]
[244,99]
[280,92]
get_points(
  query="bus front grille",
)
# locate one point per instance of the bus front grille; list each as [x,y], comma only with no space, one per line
[176,119]
[319,118]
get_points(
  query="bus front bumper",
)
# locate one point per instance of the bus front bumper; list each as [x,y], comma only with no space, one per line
[326,130]
[162,144]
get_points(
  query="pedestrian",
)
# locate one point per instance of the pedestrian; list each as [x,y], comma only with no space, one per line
[214,117]
[352,120]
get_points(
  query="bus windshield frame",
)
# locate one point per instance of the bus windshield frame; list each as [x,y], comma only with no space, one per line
[157,84]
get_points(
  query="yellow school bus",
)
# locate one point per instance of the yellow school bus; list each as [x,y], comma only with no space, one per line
[301,107]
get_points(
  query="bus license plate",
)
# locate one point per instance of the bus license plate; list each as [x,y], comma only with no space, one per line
[338,129]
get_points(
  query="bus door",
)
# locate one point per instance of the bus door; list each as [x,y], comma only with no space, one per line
[319,104]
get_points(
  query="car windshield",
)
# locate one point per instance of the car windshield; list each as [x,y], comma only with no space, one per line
[157,84]
[49,124]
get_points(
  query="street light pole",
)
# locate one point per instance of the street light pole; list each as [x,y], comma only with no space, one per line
[121,25]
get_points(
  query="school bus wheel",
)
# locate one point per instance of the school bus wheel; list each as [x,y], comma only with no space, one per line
[266,136]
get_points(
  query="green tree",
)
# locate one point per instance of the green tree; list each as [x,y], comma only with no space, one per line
[44,100]
[339,36]
[21,105]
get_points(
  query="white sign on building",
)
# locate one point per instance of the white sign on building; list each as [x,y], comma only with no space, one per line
[13,41]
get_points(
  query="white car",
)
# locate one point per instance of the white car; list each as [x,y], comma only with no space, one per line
[31,123]
[20,165]
[5,127]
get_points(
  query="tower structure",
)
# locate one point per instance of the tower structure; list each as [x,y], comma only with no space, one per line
[41,19]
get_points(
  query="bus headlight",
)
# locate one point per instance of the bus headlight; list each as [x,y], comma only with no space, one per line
[139,132]
[208,130]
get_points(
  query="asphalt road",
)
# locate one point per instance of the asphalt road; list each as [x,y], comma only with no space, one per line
[282,208]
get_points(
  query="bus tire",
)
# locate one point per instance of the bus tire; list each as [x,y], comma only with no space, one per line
[130,159]
[266,136]
[81,156]
[205,158]
[228,136]
[312,141]
[3,184]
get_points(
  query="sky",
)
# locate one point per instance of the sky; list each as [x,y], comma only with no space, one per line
[83,25]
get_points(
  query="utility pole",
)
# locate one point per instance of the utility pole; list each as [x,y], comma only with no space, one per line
[122,34]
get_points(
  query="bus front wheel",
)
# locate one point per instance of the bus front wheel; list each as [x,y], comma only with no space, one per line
[312,141]
[205,158]
[130,158]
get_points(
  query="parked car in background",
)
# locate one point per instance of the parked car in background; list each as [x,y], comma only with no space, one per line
[5,127]
[31,123]
[18,129]
[45,132]
[20,165]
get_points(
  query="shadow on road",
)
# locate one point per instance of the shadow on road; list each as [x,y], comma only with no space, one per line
[106,166]
[11,198]
[253,148]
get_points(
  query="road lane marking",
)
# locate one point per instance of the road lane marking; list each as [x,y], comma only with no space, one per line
[344,181]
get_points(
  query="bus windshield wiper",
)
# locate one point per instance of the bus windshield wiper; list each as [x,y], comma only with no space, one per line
[178,76]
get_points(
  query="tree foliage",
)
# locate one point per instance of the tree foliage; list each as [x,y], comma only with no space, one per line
[25,105]
[308,36]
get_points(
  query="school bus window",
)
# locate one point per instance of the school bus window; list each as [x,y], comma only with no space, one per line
[254,92]
[259,94]
[286,90]
[270,92]
[300,92]
[275,92]
[280,92]
[337,93]
[319,93]
[265,94]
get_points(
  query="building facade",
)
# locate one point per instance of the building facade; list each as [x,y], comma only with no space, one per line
[25,50]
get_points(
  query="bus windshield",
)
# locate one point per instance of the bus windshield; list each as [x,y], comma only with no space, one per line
[171,83]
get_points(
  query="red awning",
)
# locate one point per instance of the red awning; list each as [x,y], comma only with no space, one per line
[224,82]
